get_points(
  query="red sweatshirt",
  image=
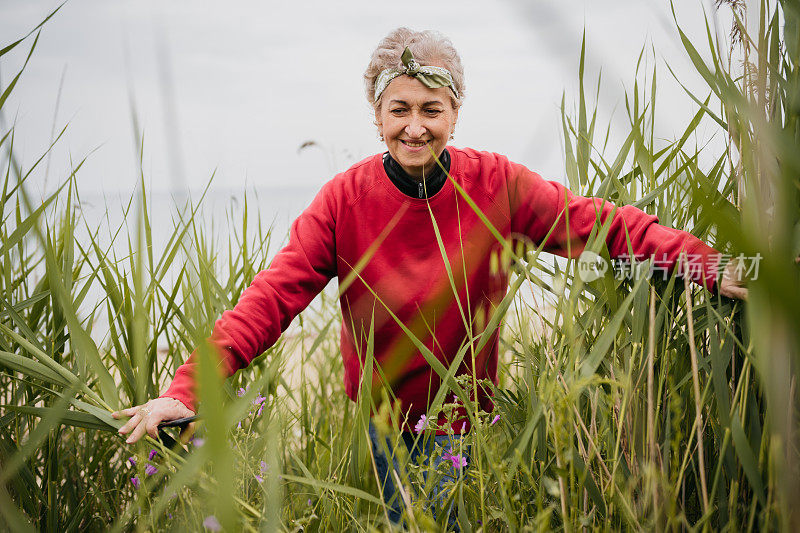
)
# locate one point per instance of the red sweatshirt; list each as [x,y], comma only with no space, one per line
[361,222]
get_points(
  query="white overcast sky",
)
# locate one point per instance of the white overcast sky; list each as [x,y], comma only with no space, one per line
[238,86]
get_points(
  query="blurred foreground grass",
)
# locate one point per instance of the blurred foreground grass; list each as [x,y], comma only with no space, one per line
[622,404]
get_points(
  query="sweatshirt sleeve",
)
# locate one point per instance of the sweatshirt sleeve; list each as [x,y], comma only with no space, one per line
[265,309]
[537,206]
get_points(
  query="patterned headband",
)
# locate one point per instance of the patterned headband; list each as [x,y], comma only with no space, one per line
[430,76]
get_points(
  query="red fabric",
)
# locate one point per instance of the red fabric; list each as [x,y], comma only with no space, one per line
[361,218]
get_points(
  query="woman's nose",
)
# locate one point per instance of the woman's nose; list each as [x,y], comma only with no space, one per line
[415,129]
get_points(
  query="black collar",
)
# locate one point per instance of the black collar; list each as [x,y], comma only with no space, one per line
[412,187]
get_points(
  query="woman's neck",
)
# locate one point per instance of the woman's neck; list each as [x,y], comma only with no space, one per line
[415,187]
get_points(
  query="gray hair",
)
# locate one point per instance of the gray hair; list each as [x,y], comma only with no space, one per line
[429,48]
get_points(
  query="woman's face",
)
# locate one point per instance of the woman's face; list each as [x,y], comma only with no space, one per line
[415,120]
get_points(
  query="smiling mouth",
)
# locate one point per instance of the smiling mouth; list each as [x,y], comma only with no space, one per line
[414,144]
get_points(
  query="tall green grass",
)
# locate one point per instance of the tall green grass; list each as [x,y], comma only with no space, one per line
[644,404]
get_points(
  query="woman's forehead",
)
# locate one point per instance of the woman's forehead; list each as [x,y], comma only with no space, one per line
[408,90]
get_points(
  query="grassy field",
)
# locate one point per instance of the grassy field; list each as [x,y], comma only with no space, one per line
[622,404]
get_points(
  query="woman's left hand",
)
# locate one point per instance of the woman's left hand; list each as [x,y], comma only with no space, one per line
[145,418]
[733,281]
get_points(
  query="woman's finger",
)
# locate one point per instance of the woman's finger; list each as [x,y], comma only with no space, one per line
[733,291]
[740,293]
[130,424]
[138,432]
[151,425]
[130,411]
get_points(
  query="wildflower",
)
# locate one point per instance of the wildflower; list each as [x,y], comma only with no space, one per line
[153,453]
[463,427]
[494,420]
[259,410]
[259,400]
[211,523]
[132,460]
[422,424]
[259,478]
[264,466]
[135,482]
[150,470]
[239,426]
[241,392]
[309,502]
[197,441]
[458,460]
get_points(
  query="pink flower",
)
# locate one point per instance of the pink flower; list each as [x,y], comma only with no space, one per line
[132,461]
[135,482]
[150,470]
[458,460]
[241,392]
[494,420]
[211,523]
[264,466]
[152,454]
[463,427]
[422,424]
[259,410]
[197,441]
[259,478]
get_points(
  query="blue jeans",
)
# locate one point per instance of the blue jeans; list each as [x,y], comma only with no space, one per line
[422,451]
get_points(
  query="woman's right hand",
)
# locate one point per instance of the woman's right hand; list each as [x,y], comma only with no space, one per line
[145,418]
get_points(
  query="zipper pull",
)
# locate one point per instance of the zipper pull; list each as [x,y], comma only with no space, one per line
[421,191]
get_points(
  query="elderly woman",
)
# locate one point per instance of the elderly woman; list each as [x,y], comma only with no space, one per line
[410,233]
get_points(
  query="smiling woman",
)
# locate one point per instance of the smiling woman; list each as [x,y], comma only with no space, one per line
[416,106]
[415,244]
[415,123]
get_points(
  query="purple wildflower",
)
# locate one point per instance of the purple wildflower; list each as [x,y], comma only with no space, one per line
[150,470]
[211,523]
[259,478]
[135,482]
[494,420]
[197,441]
[239,426]
[241,392]
[422,424]
[153,453]
[132,460]
[463,427]
[259,410]
[458,460]
[264,466]
[309,502]
[259,400]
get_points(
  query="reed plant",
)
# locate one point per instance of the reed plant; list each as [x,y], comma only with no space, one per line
[641,403]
